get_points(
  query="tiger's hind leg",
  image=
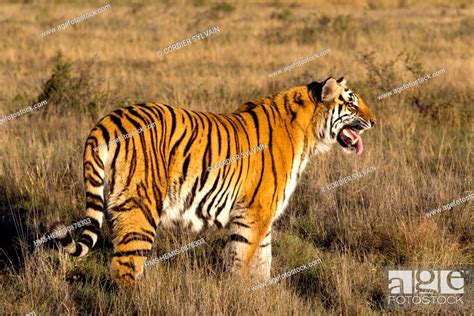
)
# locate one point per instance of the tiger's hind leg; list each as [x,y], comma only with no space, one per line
[134,228]
[249,248]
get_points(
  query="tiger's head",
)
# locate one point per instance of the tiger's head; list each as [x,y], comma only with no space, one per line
[345,115]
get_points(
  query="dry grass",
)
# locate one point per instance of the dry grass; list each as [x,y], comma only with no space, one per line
[421,146]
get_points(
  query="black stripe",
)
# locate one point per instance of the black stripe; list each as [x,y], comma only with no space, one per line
[173,118]
[226,177]
[95,183]
[272,109]
[199,117]
[149,232]
[105,133]
[228,133]
[218,224]
[288,107]
[234,128]
[190,198]
[205,199]
[270,145]
[90,195]
[297,98]
[94,222]
[148,215]
[86,240]
[185,169]
[118,122]
[128,275]
[236,189]
[276,108]
[220,209]
[133,164]
[134,122]
[292,155]
[92,229]
[158,199]
[142,140]
[154,154]
[92,172]
[207,154]
[339,118]
[134,236]
[138,253]
[239,238]
[249,106]
[128,205]
[95,156]
[142,192]
[95,207]
[255,122]
[156,110]
[92,140]
[240,224]
[114,161]
[131,265]
[238,119]
[224,193]
[191,140]
[78,250]
[139,115]
[263,164]
[149,218]
[175,146]
[219,137]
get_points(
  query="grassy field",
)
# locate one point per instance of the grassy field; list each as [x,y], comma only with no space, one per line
[421,147]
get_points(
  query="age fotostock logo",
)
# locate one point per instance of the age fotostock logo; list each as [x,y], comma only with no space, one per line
[426,287]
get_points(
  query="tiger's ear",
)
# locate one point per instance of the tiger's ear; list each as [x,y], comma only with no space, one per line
[342,82]
[331,90]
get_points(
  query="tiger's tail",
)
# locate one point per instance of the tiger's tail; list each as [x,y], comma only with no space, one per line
[94,176]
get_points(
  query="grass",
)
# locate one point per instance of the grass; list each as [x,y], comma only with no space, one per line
[421,147]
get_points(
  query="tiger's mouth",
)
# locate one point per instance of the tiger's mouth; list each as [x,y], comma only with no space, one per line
[350,140]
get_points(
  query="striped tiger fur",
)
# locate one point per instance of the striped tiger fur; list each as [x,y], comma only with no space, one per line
[161,176]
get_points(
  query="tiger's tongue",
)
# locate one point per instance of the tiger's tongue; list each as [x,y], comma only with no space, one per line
[359,146]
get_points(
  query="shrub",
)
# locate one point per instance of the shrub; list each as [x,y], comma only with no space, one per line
[284,15]
[381,76]
[70,93]
[224,7]
[341,25]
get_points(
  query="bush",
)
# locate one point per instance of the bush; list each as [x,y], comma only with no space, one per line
[69,93]
[381,76]
[284,15]
[341,25]
[224,7]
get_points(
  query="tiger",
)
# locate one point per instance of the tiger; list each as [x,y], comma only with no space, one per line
[160,177]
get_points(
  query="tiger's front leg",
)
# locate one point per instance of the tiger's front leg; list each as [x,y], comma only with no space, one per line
[249,248]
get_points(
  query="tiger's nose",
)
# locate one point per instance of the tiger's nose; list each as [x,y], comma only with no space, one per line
[372,122]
